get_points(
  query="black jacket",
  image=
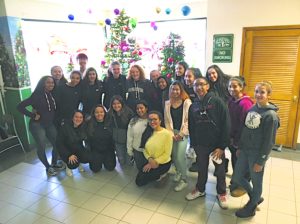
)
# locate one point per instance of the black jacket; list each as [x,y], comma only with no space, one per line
[209,122]
[114,87]
[91,96]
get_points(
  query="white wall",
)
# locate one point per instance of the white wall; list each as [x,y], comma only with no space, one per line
[230,16]
[58,10]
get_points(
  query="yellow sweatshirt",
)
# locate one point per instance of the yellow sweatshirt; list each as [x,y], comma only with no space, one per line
[159,146]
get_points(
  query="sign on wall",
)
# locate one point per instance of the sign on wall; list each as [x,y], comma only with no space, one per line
[222,48]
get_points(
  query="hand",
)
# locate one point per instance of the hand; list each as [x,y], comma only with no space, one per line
[177,137]
[153,163]
[73,159]
[238,152]
[257,168]
[147,168]
[37,117]
[217,153]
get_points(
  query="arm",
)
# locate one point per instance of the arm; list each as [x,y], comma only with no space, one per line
[191,127]
[270,126]
[167,115]
[130,140]
[167,149]
[184,131]
[224,122]
[22,107]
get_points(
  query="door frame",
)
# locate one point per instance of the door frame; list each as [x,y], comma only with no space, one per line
[242,58]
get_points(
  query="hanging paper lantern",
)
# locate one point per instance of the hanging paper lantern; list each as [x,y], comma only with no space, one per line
[71,17]
[117,11]
[100,23]
[168,11]
[133,22]
[158,10]
[155,27]
[108,22]
[186,10]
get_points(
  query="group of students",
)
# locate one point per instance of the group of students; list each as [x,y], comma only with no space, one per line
[151,124]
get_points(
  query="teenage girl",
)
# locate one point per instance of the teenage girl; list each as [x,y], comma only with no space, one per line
[256,142]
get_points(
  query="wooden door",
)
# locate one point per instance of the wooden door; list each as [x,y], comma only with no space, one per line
[272,54]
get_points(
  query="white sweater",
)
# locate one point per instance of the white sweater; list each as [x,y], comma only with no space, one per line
[134,135]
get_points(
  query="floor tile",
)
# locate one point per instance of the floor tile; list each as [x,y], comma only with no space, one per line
[129,195]
[116,209]
[149,201]
[80,216]
[43,205]
[61,212]
[96,203]
[8,212]
[195,214]
[215,217]
[172,208]
[137,215]
[109,190]
[277,217]
[24,217]
[282,206]
[102,219]
[45,220]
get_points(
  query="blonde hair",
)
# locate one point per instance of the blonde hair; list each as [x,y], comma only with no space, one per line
[183,93]
[141,70]
[266,84]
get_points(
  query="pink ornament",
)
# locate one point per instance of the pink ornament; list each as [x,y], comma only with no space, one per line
[103,62]
[140,53]
[170,60]
[152,24]
[169,76]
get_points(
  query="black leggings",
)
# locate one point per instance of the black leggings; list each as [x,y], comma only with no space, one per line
[107,158]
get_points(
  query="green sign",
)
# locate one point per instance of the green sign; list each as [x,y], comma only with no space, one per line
[223,48]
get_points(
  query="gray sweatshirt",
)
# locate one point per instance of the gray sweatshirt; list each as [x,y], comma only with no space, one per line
[259,132]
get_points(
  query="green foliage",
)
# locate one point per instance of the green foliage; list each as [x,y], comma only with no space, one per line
[119,46]
[172,53]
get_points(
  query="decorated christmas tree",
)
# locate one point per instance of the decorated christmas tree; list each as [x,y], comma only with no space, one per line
[172,53]
[20,60]
[120,47]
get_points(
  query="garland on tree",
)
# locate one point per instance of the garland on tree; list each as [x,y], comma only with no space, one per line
[172,53]
[119,46]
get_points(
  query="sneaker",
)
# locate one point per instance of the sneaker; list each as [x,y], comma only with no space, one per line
[181,185]
[194,167]
[222,200]
[59,165]
[51,171]
[190,153]
[177,177]
[80,168]
[238,192]
[69,172]
[194,194]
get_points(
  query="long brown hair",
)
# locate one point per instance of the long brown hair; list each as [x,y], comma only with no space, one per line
[183,93]
[141,70]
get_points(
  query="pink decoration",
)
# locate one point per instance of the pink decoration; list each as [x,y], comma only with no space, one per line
[170,60]
[152,24]
[103,62]
[169,76]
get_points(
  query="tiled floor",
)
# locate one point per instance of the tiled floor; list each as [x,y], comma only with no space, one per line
[27,195]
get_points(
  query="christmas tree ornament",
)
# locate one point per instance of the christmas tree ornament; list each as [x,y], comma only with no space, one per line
[186,10]
[155,27]
[101,23]
[152,24]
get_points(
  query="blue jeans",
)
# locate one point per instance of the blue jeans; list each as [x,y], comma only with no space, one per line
[244,164]
[178,156]
[40,135]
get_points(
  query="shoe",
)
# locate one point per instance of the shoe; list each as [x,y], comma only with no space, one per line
[181,185]
[190,153]
[69,172]
[59,165]
[261,200]
[194,167]
[162,177]
[177,177]
[194,194]
[238,192]
[247,211]
[51,171]
[80,168]
[222,200]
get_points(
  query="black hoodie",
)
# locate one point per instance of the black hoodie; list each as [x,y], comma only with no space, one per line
[259,132]
[209,122]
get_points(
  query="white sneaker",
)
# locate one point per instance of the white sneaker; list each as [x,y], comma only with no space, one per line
[69,172]
[194,194]
[80,168]
[177,177]
[181,185]
[222,200]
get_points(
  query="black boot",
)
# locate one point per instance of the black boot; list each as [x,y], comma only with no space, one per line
[194,167]
[247,211]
